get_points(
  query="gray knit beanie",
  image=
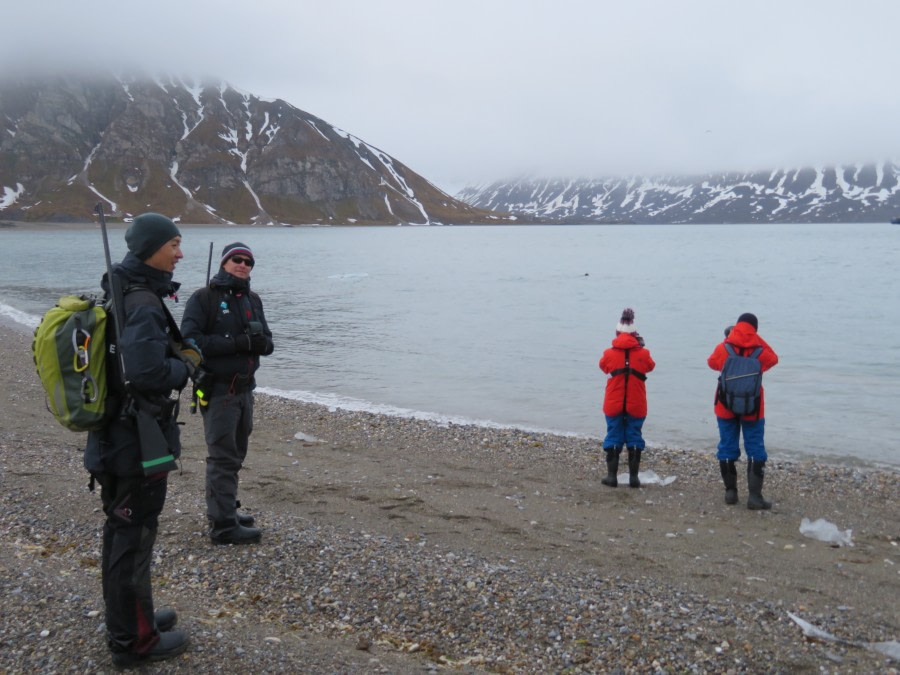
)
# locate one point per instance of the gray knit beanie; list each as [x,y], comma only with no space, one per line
[148,233]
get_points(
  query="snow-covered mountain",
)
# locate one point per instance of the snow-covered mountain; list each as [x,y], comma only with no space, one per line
[200,152]
[853,194]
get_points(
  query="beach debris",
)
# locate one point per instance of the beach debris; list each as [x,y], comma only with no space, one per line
[648,478]
[814,633]
[306,438]
[890,648]
[823,530]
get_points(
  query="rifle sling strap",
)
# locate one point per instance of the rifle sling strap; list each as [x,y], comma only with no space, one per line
[628,370]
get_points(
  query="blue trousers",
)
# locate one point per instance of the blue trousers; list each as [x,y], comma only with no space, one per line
[623,430]
[730,436]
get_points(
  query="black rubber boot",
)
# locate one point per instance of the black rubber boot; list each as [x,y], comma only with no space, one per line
[755,473]
[244,519]
[729,476]
[165,619]
[612,467]
[171,644]
[232,532]
[634,464]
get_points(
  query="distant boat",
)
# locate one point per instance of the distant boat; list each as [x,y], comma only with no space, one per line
[895,221]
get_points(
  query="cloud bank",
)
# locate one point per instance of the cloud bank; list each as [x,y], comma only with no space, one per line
[473,91]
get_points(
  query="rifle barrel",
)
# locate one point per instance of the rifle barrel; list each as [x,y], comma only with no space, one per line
[209,263]
[115,293]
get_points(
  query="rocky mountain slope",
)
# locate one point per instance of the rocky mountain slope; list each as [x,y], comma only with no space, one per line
[858,193]
[203,153]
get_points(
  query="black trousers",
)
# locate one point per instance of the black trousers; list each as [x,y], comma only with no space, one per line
[132,506]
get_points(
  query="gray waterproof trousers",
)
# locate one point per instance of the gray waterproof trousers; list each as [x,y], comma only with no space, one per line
[227,423]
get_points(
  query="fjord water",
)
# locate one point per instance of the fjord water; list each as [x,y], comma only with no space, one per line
[505,325]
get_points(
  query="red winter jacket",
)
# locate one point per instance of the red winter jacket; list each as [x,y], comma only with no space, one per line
[743,337]
[617,400]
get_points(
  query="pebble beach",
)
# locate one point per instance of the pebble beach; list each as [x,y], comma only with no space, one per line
[401,546]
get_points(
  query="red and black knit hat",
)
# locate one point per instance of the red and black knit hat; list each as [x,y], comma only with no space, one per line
[626,323]
[237,248]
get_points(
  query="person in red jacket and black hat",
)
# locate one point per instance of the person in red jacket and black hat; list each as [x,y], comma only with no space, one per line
[745,340]
[627,363]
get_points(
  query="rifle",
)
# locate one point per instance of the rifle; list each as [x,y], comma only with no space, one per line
[199,381]
[209,263]
[156,456]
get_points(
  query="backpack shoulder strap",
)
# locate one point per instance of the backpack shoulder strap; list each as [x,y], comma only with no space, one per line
[730,349]
[138,294]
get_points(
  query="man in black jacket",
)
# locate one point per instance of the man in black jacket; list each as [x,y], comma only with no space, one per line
[132,496]
[227,322]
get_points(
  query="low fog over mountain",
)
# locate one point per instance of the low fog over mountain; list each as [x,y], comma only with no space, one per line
[202,153]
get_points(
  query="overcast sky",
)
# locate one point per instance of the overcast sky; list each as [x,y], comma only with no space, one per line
[474,90]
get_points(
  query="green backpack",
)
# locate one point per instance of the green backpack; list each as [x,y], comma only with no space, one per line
[70,354]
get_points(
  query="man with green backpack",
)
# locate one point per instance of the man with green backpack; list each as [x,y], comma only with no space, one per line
[131,454]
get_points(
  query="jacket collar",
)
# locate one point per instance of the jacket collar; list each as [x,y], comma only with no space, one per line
[134,271]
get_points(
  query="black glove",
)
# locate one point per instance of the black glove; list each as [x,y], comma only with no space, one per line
[242,343]
[259,344]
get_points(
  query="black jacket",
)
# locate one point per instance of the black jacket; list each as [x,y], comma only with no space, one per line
[151,365]
[219,318]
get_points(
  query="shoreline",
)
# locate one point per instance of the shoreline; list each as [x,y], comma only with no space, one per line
[838,462]
[403,546]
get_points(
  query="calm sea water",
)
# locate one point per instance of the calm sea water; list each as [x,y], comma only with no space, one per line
[505,325]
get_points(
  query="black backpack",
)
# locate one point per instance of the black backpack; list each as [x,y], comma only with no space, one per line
[740,381]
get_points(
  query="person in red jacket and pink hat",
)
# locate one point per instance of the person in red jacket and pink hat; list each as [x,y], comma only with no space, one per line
[627,363]
[745,340]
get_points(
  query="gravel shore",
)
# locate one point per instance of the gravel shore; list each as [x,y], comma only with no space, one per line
[401,546]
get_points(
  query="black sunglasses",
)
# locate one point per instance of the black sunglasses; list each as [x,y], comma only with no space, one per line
[238,260]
